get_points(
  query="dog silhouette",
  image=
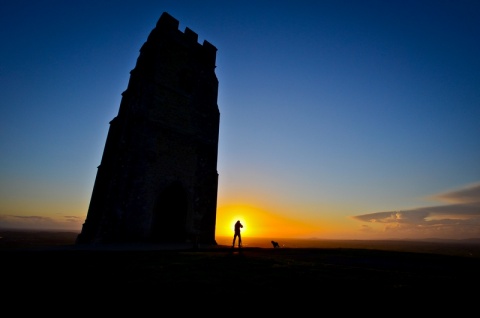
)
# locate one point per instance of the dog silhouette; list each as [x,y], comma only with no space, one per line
[275,244]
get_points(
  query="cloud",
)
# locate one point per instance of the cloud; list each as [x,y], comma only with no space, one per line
[40,222]
[465,195]
[458,220]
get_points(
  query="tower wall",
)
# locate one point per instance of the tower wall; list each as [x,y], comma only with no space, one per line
[157,180]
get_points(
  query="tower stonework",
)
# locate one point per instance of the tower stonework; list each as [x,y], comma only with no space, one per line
[157,180]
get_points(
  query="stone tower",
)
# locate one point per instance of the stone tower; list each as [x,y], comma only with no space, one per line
[157,180]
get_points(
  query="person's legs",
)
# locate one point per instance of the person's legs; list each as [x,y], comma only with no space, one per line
[239,240]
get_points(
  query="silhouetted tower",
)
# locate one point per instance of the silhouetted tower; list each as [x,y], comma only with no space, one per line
[158,179]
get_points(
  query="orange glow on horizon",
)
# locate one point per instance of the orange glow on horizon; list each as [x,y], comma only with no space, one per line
[258,223]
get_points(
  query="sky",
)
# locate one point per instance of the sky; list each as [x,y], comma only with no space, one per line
[338,119]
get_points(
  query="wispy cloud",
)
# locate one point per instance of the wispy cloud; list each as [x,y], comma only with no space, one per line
[41,222]
[464,195]
[457,220]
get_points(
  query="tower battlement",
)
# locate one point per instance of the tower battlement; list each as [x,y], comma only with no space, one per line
[169,24]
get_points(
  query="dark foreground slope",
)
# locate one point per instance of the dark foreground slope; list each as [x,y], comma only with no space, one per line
[204,279]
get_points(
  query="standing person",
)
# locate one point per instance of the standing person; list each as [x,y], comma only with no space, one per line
[238,226]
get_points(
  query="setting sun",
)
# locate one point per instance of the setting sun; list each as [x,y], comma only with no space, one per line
[244,229]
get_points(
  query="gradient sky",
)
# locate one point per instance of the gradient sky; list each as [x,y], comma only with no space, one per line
[338,119]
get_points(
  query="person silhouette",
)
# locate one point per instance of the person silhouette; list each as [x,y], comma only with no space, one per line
[238,226]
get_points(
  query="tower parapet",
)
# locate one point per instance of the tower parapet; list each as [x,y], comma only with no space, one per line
[169,24]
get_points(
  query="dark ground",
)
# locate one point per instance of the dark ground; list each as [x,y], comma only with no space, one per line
[50,270]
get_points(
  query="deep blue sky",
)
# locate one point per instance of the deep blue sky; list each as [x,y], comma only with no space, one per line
[359,118]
